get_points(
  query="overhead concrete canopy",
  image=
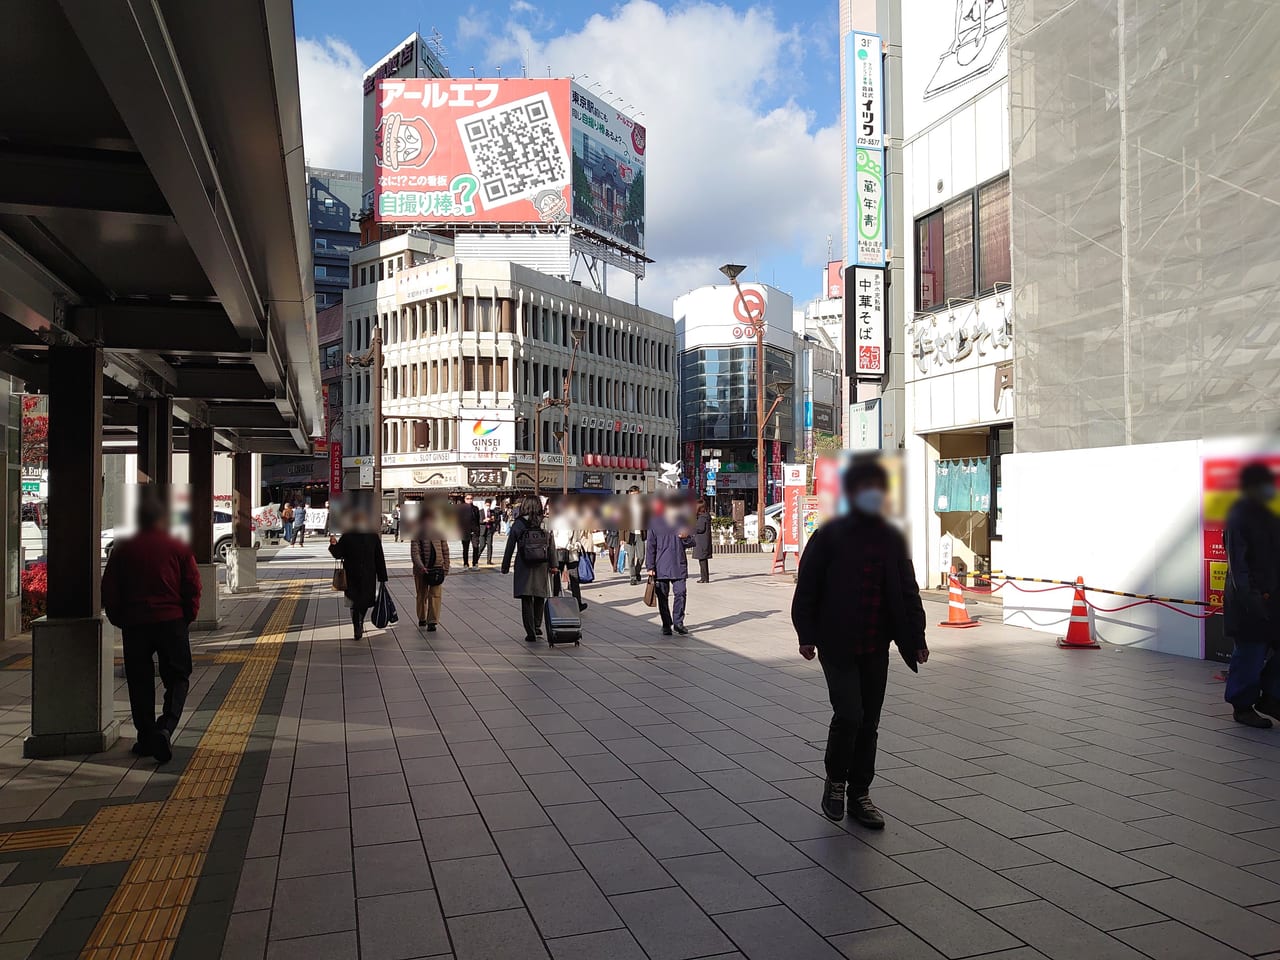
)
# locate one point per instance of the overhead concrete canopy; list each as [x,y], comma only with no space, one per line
[153,200]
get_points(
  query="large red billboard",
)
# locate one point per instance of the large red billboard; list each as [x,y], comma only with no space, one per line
[489,151]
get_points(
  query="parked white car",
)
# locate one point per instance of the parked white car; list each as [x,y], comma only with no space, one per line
[772,524]
[222,535]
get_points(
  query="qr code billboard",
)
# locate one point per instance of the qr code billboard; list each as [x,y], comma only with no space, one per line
[491,151]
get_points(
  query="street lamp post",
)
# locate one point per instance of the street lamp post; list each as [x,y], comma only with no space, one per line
[732,270]
[373,358]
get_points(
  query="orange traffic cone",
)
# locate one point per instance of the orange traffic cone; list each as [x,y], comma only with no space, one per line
[1080,630]
[957,612]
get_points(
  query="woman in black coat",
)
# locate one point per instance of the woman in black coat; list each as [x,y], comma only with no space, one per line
[702,542]
[360,551]
[532,581]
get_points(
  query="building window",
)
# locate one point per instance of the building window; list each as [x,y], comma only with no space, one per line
[962,249]
[994,219]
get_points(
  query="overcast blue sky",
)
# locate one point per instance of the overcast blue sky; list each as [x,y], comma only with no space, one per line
[741,102]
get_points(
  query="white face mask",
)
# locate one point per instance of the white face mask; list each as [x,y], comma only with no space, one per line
[869,500]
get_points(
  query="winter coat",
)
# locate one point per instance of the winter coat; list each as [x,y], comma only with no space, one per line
[1252,539]
[468,520]
[702,537]
[530,580]
[366,567]
[828,605]
[151,578]
[664,551]
[420,551]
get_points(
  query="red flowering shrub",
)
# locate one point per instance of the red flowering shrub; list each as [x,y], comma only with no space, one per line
[35,592]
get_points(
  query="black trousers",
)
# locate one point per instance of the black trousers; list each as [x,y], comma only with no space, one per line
[857,689]
[575,585]
[704,570]
[471,543]
[531,609]
[357,620]
[486,546]
[635,553]
[169,643]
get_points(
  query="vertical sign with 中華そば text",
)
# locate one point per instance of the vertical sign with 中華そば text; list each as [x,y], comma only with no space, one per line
[865,323]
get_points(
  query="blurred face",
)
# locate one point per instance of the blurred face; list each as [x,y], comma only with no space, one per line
[466,499]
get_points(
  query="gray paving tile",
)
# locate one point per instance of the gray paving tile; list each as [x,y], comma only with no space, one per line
[630,798]
[978,843]
[613,945]
[741,786]
[567,904]
[1059,935]
[265,837]
[600,768]
[758,849]
[941,921]
[381,789]
[575,744]
[770,767]
[330,811]
[668,925]
[474,885]
[708,808]
[1105,866]
[421,745]
[999,816]
[530,851]
[391,868]
[371,825]
[885,943]
[668,835]
[564,787]
[826,904]
[622,866]
[700,757]
[587,822]
[969,882]
[855,863]
[369,763]
[537,760]
[492,778]
[1102,830]
[257,884]
[36,915]
[246,936]
[307,906]
[668,776]
[910,808]
[315,852]
[926,783]
[1230,883]
[441,800]
[1243,929]
[401,926]
[453,838]
[422,770]
[1103,801]
[489,936]
[717,884]
[510,811]
[316,781]
[792,820]
[477,752]
[1015,794]
[1082,896]
[1238,851]
[636,750]
[1175,941]
[328,946]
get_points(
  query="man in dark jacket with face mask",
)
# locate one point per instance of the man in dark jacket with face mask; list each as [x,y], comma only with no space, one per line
[856,593]
[1251,601]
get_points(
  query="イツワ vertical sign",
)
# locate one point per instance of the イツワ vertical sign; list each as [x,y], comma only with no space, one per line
[867,321]
[866,98]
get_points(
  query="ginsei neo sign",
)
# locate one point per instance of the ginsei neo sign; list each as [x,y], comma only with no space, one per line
[486,431]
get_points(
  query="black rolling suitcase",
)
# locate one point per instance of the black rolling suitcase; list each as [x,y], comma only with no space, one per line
[564,622]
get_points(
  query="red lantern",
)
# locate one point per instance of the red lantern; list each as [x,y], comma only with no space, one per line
[589,460]
[613,461]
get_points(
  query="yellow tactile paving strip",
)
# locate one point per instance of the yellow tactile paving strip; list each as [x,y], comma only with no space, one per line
[168,840]
[45,839]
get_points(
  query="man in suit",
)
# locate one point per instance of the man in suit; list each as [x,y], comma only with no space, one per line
[469,531]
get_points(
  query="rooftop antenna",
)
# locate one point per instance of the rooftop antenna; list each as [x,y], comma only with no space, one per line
[828,248]
[473,71]
[548,69]
[436,43]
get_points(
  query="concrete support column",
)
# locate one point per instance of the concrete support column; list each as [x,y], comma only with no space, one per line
[155,442]
[242,558]
[72,706]
[200,475]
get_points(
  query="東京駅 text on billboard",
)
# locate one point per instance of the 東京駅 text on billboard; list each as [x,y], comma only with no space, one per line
[512,151]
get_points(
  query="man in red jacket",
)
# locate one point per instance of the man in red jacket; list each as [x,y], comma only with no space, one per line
[151,591]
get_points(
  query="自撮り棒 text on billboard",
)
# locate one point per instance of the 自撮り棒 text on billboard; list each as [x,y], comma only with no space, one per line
[608,170]
[491,151]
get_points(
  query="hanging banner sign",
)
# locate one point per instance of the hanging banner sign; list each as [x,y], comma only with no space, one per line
[865,324]
[335,468]
[867,208]
[865,67]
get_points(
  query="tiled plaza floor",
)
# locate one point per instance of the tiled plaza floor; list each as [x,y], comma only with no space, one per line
[462,794]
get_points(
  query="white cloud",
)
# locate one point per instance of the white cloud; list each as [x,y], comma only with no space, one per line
[736,170]
[330,75]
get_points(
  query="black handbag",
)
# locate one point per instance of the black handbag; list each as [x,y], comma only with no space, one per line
[384,608]
[435,575]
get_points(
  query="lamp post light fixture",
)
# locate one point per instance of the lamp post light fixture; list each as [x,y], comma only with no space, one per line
[732,271]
